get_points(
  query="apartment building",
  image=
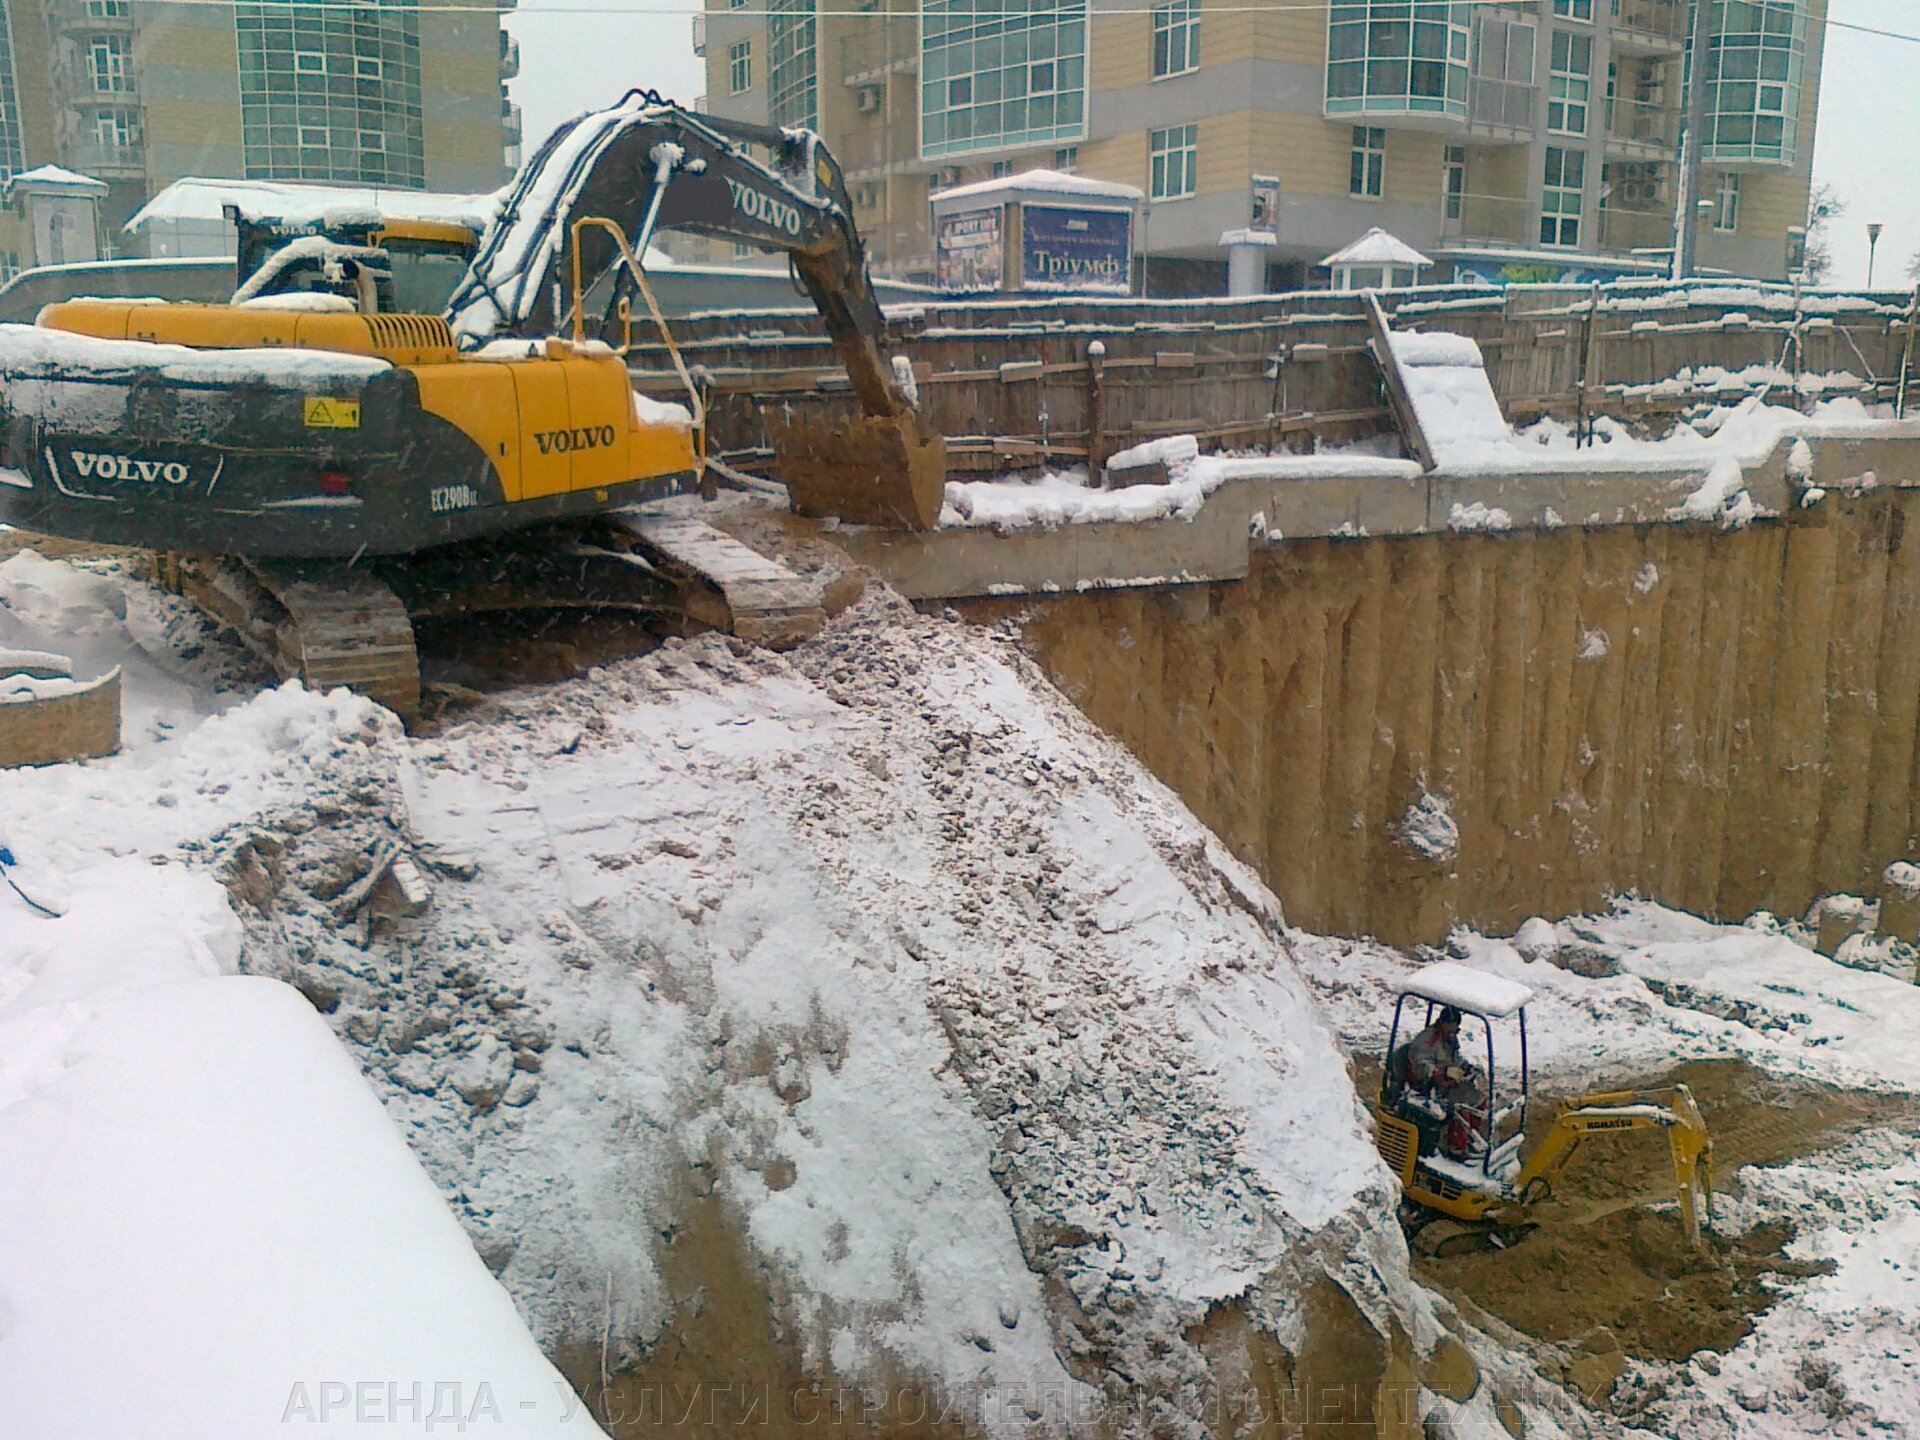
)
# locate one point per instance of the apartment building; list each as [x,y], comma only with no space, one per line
[139,94]
[1525,140]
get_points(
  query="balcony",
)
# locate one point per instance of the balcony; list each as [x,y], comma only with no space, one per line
[700,35]
[510,122]
[1499,111]
[880,151]
[1648,27]
[1491,219]
[1639,130]
[106,162]
[509,56]
[1631,230]
[867,58]
[92,17]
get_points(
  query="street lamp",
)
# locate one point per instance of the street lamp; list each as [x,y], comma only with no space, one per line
[1873,242]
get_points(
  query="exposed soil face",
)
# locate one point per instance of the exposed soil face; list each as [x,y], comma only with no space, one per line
[1603,1257]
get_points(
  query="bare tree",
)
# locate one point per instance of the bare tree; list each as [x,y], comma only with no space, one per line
[1824,206]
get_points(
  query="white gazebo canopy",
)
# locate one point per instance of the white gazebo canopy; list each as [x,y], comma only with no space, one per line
[1376,261]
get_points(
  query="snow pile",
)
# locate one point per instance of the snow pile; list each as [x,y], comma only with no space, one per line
[1447,383]
[194,1177]
[994,1055]
[1721,497]
[1057,498]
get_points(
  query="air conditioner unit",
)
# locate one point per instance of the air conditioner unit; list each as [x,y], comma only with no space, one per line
[869,99]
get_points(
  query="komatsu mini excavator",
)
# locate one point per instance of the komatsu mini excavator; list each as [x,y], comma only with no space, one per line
[1455,1141]
[318,462]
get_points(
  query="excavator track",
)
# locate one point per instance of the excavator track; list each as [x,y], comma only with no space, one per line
[329,624]
[326,625]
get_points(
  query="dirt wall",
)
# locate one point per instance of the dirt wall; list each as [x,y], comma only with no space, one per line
[1722,720]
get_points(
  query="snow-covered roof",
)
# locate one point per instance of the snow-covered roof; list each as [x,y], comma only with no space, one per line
[1377,247]
[199,198]
[1447,982]
[55,175]
[1055,181]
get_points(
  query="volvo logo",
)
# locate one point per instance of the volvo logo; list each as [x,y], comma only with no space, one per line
[757,205]
[565,442]
[129,467]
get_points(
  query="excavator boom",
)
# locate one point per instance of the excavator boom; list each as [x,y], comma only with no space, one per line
[648,166]
[1610,1112]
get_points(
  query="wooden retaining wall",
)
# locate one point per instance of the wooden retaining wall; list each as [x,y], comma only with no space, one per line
[1011,383]
[1725,721]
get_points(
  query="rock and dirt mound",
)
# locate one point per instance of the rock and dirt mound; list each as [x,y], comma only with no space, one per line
[860,1015]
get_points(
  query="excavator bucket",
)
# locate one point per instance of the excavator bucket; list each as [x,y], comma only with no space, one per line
[868,471]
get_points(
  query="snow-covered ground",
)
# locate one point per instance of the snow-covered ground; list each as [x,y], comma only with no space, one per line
[1006,1075]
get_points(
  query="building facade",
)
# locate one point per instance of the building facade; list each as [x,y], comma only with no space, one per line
[136,95]
[1507,141]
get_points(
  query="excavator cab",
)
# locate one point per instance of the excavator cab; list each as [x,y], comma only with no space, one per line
[1458,1142]
[1464,1133]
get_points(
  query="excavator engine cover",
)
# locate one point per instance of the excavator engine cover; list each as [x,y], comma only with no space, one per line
[872,470]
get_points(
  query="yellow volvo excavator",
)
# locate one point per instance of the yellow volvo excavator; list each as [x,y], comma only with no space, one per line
[321,462]
[1457,1143]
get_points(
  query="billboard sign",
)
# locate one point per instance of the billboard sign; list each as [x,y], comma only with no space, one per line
[968,250]
[1076,250]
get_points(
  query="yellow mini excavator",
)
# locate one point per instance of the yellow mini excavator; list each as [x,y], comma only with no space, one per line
[321,462]
[1456,1141]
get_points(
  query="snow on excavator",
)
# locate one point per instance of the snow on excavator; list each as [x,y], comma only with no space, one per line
[317,463]
[1456,1140]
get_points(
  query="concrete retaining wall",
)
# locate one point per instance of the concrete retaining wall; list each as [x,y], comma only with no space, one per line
[1723,720]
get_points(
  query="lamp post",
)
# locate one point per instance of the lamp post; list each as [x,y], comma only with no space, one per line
[1873,243]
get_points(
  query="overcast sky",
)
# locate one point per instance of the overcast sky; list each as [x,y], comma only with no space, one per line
[1868,146]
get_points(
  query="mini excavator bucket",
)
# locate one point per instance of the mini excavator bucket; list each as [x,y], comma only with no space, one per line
[873,470]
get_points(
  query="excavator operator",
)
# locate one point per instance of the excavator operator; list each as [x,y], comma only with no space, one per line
[1434,1064]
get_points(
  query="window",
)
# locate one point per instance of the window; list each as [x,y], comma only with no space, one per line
[1176,38]
[107,62]
[1397,57]
[315,79]
[1067,159]
[1568,83]
[1758,57]
[1560,195]
[1726,202]
[106,9]
[1453,186]
[1001,169]
[373,141]
[740,67]
[114,129]
[1573,9]
[793,87]
[1000,77]
[1369,162]
[1173,162]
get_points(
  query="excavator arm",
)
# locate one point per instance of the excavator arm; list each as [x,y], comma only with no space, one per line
[647,165]
[1610,1112]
